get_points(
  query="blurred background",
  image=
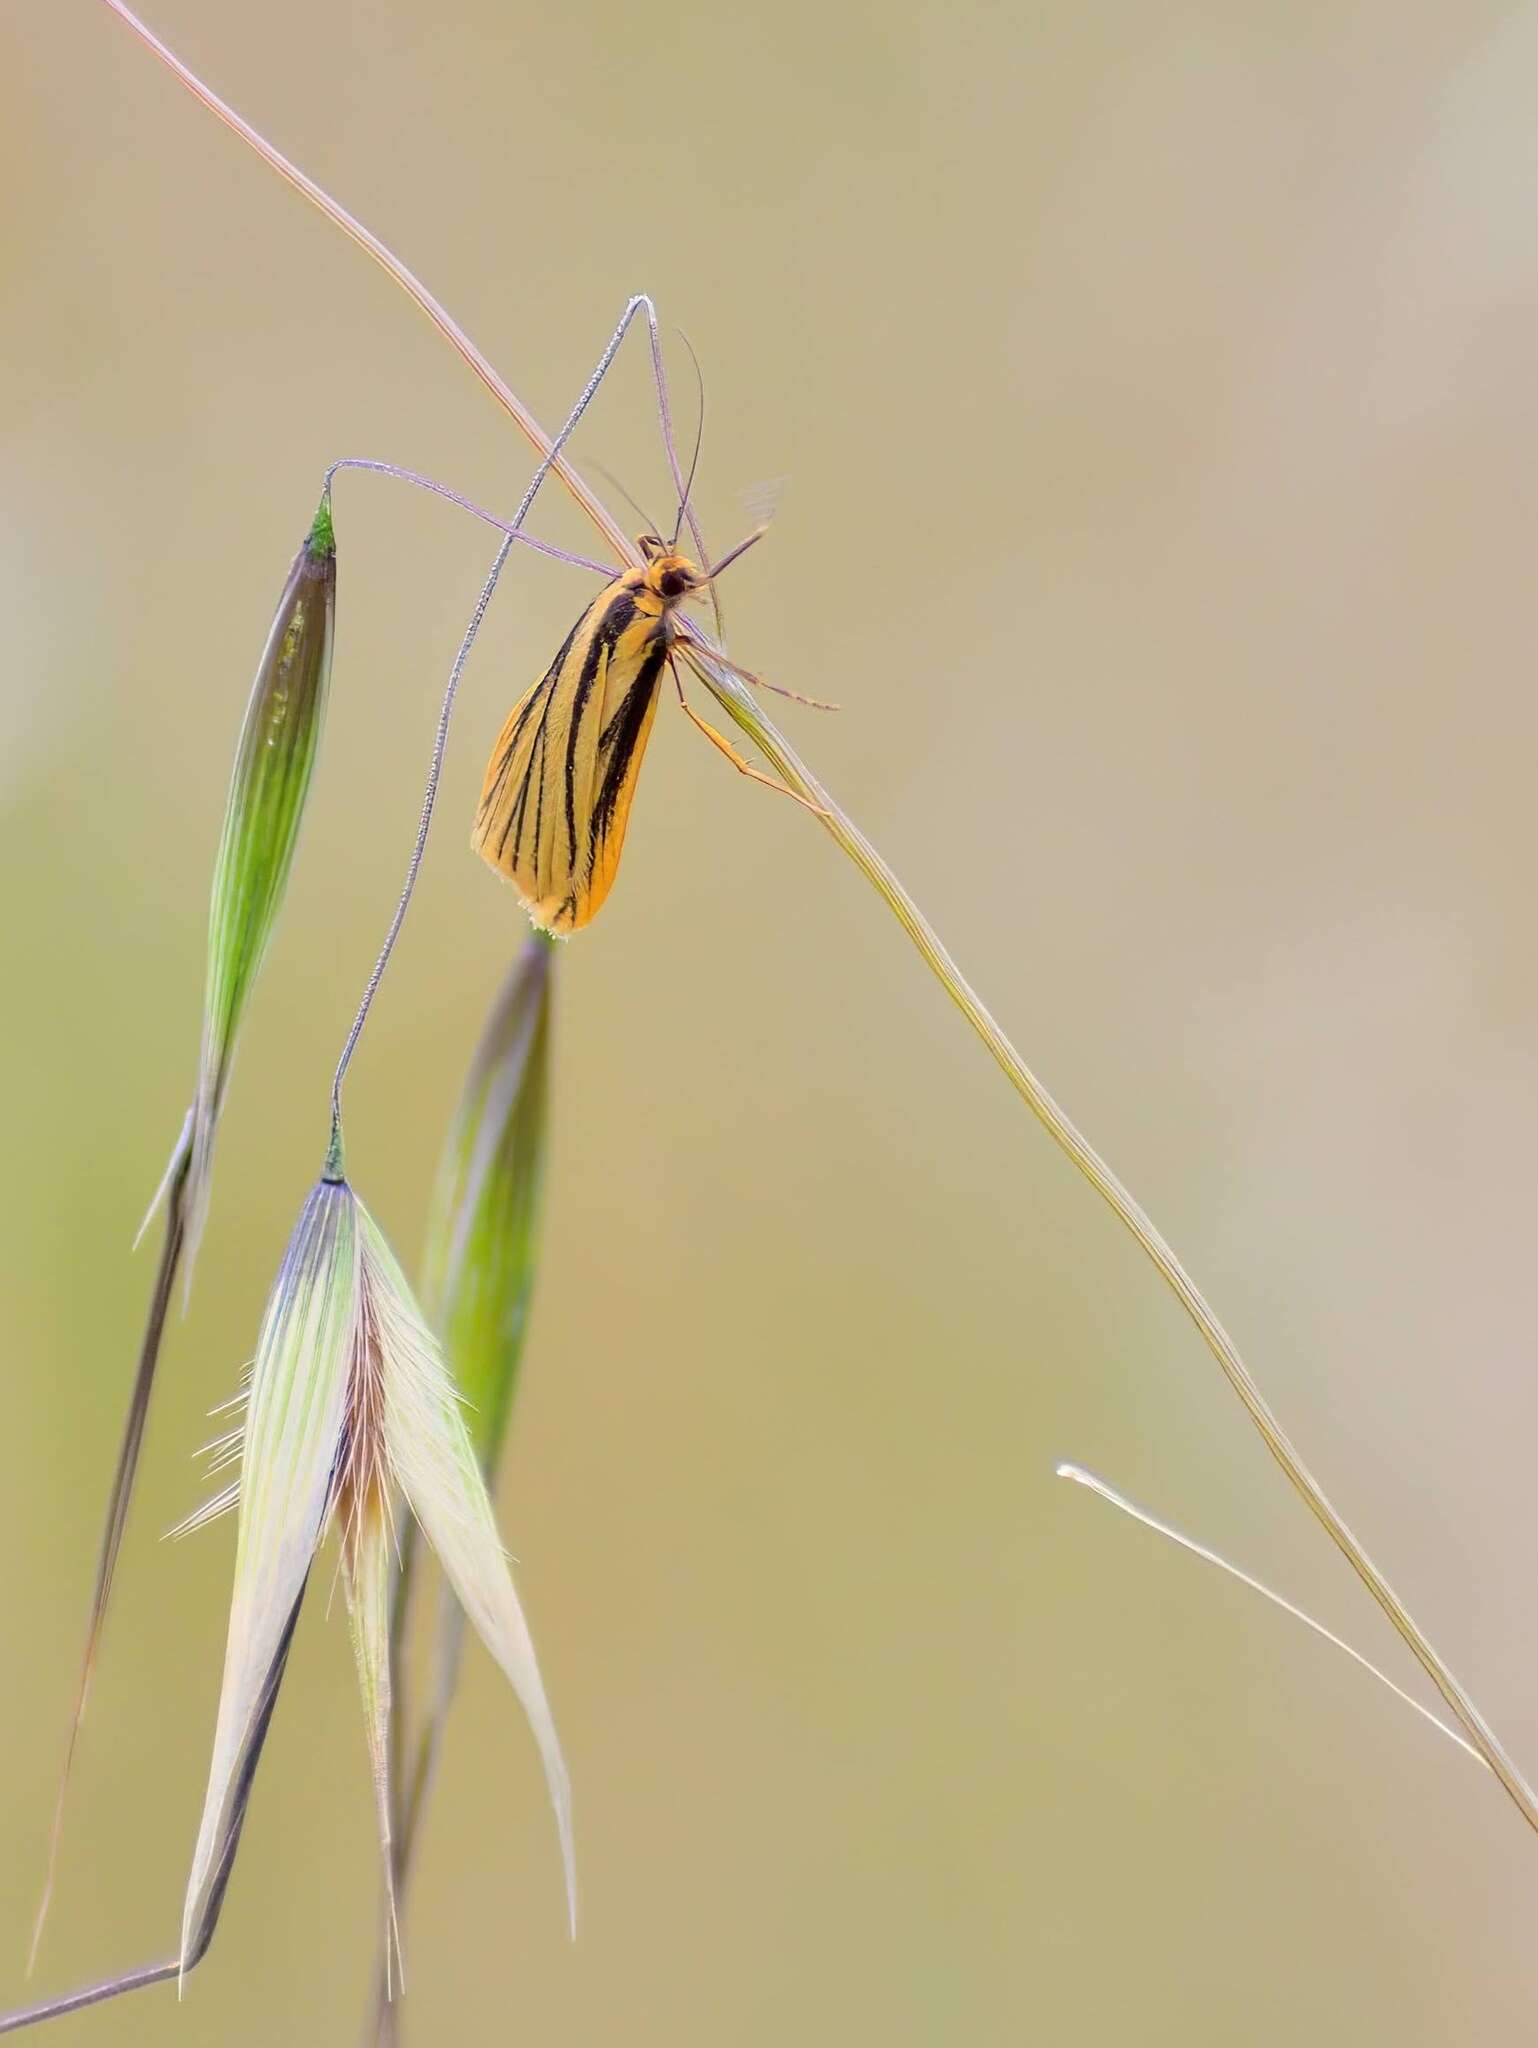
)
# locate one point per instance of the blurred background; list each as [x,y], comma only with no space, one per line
[1155,392]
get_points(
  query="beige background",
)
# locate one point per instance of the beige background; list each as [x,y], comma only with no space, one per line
[1156,391]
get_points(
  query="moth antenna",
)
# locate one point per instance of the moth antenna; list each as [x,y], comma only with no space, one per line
[648,523]
[699,437]
[665,416]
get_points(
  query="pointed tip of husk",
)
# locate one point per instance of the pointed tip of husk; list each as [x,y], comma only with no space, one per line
[264,810]
[293,1431]
[321,539]
[433,1461]
[181,1153]
[366,1578]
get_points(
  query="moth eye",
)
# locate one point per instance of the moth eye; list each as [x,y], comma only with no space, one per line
[673,582]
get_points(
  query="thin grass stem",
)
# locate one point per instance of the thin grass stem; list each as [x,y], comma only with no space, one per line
[476,360]
[93,1994]
[373,467]
[748,714]
[548,461]
[175,1968]
[116,1522]
[1093,1483]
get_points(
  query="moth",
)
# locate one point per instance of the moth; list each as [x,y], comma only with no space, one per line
[562,776]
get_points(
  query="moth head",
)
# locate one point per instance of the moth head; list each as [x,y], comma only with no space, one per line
[672,576]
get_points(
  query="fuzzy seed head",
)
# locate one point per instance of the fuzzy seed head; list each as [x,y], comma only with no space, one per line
[351,1409]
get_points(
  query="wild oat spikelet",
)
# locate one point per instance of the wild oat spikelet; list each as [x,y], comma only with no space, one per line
[479,1257]
[268,788]
[352,1408]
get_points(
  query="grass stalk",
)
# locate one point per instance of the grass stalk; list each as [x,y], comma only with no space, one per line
[1102,1488]
[741,706]
[174,1968]
[121,1495]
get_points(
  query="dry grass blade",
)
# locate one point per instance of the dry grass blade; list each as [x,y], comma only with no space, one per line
[1106,1492]
[744,709]
[117,1505]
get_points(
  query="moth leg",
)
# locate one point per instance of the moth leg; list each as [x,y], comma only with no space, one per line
[760,682]
[744,767]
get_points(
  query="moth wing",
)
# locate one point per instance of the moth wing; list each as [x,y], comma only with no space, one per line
[531,821]
[569,865]
[562,775]
[501,834]
[630,705]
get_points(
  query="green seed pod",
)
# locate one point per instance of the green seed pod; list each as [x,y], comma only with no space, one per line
[479,1262]
[271,780]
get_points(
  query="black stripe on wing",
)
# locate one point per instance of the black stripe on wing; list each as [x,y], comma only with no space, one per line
[538,700]
[618,614]
[618,742]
